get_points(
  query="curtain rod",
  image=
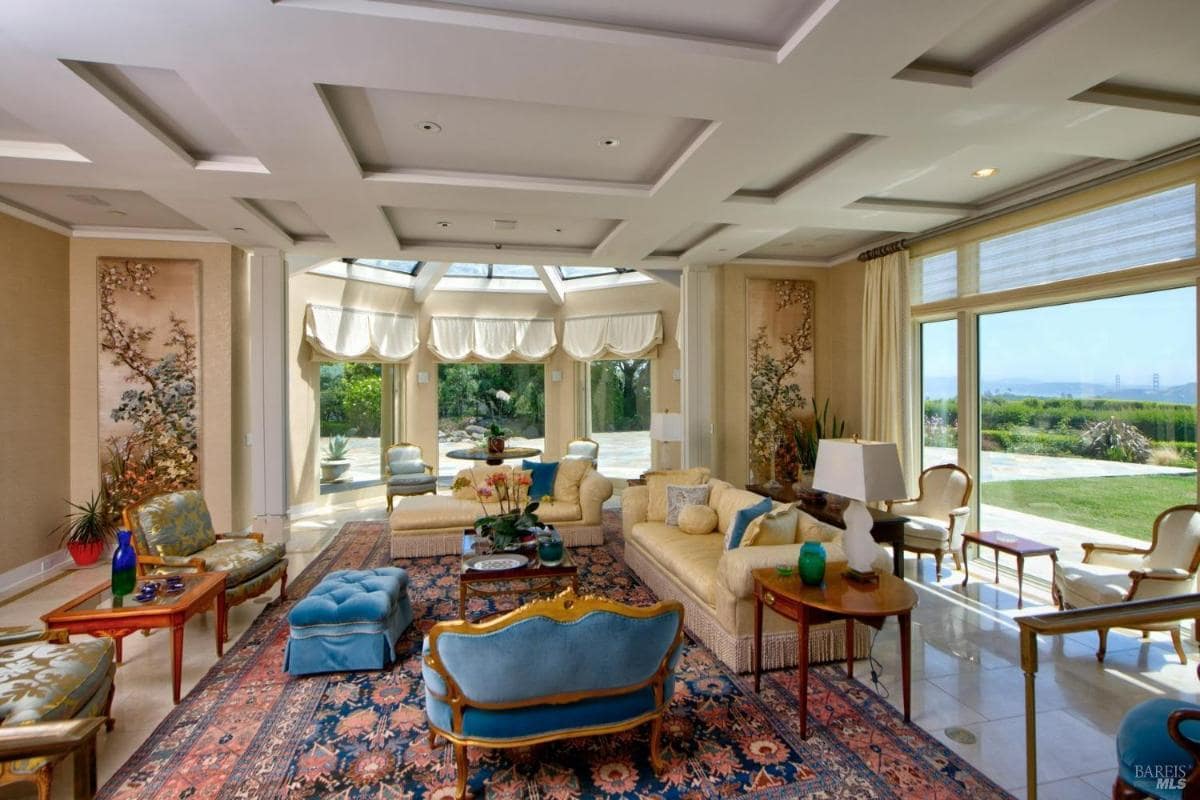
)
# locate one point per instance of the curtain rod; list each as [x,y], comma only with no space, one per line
[1172,156]
[883,250]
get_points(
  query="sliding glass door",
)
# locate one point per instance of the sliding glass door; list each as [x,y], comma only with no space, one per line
[471,397]
[939,393]
[619,415]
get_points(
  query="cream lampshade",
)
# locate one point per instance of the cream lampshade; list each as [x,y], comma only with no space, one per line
[666,427]
[864,472]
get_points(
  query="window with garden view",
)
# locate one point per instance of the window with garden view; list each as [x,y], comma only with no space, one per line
[619,415]
[472,397]
[353,423]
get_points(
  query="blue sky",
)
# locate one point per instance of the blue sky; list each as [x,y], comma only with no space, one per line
[1089,342]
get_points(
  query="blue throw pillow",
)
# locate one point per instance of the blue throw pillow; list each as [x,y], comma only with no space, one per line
[742,520]
[542,475]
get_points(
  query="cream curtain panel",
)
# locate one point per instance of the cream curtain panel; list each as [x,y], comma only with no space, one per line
[351,334]
[886,354]
[615,336]
[460,338]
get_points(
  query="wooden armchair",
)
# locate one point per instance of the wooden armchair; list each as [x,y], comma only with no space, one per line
[174,532]
[1113,574]
[938,515]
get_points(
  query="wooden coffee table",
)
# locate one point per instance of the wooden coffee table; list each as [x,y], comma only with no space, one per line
[98,613]
[535,577]
[1002,542]
[837,598]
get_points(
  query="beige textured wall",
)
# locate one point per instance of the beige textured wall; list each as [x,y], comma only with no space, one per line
[420,401]
[216,363]
[837,347]
[35,459]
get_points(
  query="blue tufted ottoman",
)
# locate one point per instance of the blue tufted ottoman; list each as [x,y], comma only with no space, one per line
[350,621]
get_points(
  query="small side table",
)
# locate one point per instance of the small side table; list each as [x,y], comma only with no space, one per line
[837,598]
[1002,542]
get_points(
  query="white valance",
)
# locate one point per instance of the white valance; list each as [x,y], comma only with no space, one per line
[615,336]
[351,334]
[460,338]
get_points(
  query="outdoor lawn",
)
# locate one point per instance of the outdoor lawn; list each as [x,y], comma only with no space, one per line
[1121,504]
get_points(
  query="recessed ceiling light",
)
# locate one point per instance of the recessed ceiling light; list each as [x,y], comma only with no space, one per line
[609,141]
[558,230]
[985,172]
[441,223]
[429,126]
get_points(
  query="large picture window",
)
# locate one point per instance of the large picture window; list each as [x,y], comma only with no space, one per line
[357,413]
[472,397]
[619,410]
[939,393]
[1088,416]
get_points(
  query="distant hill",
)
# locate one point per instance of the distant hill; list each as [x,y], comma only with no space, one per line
[939,388]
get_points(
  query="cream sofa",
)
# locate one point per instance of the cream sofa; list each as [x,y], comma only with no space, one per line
[432,525]
[716,586]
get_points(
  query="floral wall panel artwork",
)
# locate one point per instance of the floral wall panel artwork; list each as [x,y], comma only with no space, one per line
[779,332]
[149,312]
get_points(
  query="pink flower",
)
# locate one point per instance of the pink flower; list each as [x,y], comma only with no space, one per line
[524,480]
[485,492]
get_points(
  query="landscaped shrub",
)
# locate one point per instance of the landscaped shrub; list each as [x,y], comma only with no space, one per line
[1116,440]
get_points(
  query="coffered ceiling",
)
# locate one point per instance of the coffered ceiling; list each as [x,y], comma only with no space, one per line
[650,134]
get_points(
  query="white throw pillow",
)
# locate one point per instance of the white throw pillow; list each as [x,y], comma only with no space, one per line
[680,496]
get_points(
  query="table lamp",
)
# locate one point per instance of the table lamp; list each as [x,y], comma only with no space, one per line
[666,427]
[864,472]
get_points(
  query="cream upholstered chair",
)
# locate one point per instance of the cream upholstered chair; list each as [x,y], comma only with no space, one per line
[938,515]
[407,472]
[1113,574]
[583,450]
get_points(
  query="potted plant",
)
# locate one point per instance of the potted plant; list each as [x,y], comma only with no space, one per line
[335,464]
[495,439]
[808,435]
[87,528]
[516,520]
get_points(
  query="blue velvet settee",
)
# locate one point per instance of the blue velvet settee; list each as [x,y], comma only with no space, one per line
[553,669]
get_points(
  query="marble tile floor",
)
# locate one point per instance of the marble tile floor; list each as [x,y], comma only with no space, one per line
[967,681]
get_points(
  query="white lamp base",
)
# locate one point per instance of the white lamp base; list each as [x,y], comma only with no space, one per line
[857,541]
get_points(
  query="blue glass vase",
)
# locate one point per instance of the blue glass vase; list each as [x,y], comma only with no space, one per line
[812,563]
[124,565]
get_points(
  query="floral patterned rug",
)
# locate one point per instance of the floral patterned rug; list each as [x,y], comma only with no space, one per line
[250,731]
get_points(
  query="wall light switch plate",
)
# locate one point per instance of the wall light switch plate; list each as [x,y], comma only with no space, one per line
[422,377]
[677,374]
[556,376]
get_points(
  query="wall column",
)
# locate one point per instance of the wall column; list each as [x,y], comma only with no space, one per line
[697,342]
[268,391]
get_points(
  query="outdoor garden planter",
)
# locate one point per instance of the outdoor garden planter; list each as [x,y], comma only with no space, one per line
[334,470]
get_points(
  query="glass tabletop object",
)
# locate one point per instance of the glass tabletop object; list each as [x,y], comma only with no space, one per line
[481,453]
[103,599]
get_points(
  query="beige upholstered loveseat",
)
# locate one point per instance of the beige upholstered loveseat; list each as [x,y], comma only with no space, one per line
[715,584]
[432,525]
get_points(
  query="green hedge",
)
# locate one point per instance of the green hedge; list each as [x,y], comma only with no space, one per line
[1164,422]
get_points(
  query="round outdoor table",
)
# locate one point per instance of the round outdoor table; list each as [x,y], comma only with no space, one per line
[494,459]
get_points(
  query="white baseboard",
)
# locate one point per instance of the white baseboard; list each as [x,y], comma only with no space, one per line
[31,573]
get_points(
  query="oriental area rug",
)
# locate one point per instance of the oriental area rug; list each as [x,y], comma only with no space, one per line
[248,730]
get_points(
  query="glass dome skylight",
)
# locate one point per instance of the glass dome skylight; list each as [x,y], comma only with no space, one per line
[469,276]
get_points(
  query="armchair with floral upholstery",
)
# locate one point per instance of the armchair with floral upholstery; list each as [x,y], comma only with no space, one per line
[1113,574]
[938,515]
[45,679]
[174,532]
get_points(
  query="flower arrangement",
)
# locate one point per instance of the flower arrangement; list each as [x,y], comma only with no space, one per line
[517,517]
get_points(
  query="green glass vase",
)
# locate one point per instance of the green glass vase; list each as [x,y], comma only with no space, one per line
[812,563]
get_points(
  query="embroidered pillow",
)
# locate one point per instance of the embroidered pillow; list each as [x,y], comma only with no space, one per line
[680,496]
[657,483]
[742,520]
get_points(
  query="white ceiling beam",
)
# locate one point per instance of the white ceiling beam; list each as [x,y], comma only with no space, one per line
[553,283]
[428,277]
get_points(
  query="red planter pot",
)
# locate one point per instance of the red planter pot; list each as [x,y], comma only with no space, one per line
[85,553]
